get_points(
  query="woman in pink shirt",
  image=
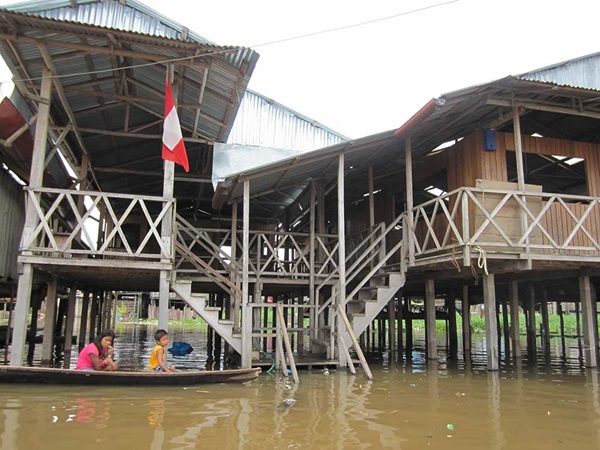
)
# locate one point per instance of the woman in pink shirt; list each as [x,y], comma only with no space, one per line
[99,355]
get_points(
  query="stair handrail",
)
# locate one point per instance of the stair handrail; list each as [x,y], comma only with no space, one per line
[359,352]
[366,258]
[367,252]
[203,266]
[208,244]
[282,327]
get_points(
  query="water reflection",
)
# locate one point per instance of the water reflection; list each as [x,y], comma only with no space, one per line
[410,406]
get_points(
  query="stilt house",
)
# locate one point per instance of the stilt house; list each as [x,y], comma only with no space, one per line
[486,195]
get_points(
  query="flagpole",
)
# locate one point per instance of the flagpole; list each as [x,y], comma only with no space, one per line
[166,234]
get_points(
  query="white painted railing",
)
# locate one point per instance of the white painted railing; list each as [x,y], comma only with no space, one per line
[508,222]
[66,228]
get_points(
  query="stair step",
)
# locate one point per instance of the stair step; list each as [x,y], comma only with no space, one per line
[226,321]
[212,308]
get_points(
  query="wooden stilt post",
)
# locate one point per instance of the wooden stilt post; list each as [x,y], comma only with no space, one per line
[453,341]
[342,247]
[466,323]
[314,329]
[559,311]
[69,325]
[409,198]
[506,329]
[36,302]
[515,337]
[531,332]
[246,310]
[590,321]
[49,322]
[545,324]
[409,328]
[491,338]
[430,331]
[399,318]
[83,320]
[31,220]
[94,314]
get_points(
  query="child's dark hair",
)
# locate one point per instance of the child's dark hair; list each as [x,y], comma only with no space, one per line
[102,335]
[159,334]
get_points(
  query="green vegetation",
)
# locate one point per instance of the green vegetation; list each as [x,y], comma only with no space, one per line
[478,324]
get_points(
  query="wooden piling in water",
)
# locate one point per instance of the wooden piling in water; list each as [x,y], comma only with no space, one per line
[489,299]
[452,331]
[530,321]
[430,331]
[466,323]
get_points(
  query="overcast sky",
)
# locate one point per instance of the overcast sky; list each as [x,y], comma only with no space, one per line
[370,78]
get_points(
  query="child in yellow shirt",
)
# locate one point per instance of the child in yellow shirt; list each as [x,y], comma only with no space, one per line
[158,357]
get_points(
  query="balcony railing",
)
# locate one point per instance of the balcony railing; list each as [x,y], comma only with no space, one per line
[507,223]
[109,225]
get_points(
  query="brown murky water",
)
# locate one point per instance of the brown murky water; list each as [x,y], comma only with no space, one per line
[553,406]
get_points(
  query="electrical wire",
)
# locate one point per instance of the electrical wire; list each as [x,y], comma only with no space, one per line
[232,49]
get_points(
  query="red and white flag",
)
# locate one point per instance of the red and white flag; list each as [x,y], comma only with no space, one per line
[173,148]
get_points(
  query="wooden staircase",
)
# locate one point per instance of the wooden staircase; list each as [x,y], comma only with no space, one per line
[372,299]
[211,314]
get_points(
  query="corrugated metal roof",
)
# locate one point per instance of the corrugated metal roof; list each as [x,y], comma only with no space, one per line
[113,81]
[583,72]
[264,122]
[549,110]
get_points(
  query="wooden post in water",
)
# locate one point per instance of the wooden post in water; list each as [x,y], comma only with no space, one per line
[545,324]
[430,331]
[49,322]
[590,321]
[36,301]
[392,326]
[506,329]
[409,328]
[466,323]
[515,337]
[491,338]
[453,341]
[561,318]
[399,317]
[83,321]
[69,325]
[93,315]
[531,332]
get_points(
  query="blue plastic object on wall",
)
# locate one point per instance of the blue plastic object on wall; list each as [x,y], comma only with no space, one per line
[489,140]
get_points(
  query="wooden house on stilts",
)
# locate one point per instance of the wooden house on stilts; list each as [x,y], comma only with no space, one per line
[486,195]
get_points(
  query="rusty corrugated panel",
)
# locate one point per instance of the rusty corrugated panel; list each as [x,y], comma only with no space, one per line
[12,219]
[581,72]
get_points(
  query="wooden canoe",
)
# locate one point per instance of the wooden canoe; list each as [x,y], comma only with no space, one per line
[42,375]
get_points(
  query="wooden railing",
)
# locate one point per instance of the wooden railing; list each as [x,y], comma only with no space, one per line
[63,225]
[507,223]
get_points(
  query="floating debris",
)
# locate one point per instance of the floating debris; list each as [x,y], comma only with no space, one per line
[287,403]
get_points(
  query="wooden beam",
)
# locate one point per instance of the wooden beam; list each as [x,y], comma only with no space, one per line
[126,134]
[189,178]
[545,107]
[108,51]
